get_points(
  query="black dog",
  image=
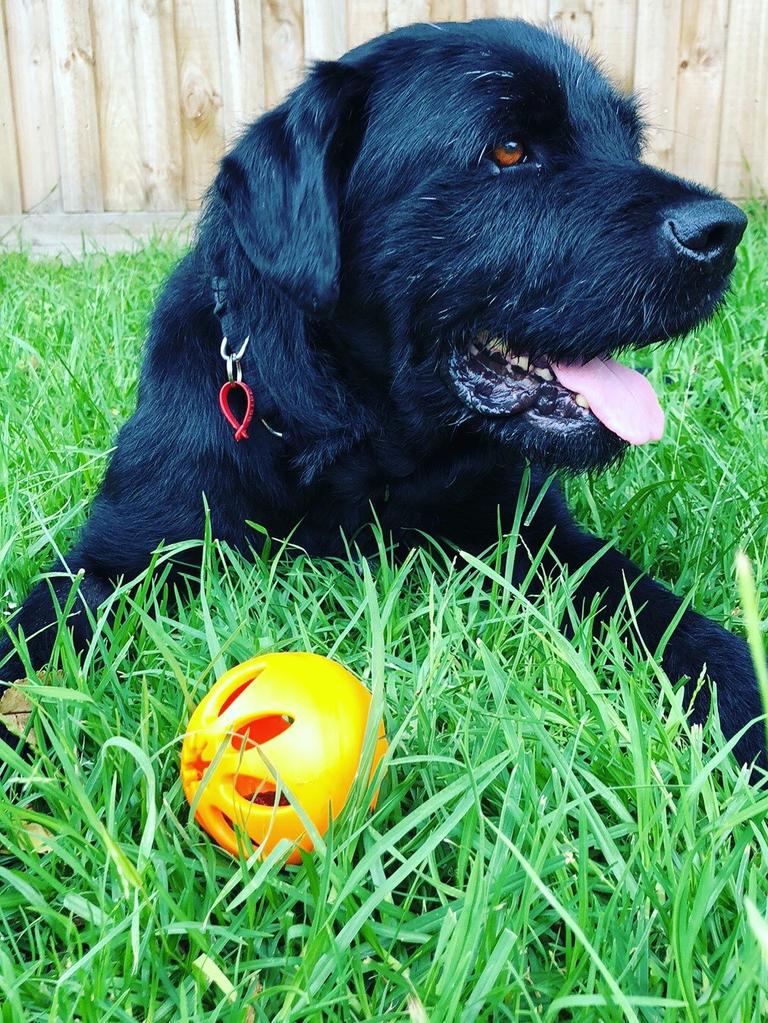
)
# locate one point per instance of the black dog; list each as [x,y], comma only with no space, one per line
[434,245]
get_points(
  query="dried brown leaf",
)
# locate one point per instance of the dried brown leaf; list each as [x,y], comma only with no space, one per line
[37,838]
[15,711]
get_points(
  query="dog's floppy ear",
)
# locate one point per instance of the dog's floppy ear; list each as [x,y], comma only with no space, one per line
[281,183]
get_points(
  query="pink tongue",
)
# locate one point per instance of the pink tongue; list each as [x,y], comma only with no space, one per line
[620,397]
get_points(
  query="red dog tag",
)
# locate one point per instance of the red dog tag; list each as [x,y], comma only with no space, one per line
[241,429]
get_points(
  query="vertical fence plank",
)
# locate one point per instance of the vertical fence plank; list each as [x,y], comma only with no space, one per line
[536,11]
[700,89]
[202,129]
[405,12]
[365,19]
[29,60]
[283,29]
[10,185]
[656,49]
[573,18]
[488,8]
[447,10]
[743,157]
[613,38]
[325,29]
[121,167]
[157,96]
[241,46]
[74,90]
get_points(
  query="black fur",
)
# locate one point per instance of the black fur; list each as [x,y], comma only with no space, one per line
[364,233]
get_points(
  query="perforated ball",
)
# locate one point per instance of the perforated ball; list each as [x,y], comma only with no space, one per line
[278,724]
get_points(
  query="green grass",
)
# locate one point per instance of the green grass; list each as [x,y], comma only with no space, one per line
[551,842]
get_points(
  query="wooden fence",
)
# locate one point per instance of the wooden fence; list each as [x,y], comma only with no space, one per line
[126,105]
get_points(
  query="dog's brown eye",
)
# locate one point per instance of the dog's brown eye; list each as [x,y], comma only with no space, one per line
[509,153]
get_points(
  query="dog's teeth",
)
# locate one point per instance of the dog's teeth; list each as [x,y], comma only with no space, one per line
[581,400]
[521,361]
[495,345]
[543,373]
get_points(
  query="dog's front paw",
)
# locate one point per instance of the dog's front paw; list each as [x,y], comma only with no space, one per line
[701,645]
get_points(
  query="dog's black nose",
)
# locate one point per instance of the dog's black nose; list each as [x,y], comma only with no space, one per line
[705,230]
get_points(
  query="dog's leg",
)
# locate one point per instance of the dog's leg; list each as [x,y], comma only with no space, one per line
[38,616]
[697,643]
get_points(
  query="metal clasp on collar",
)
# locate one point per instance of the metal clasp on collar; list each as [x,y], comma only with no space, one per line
[232,359]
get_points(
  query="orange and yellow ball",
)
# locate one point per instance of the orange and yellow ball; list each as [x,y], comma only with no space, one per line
[276,731]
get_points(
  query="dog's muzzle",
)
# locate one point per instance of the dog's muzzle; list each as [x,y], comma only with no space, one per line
[491,380]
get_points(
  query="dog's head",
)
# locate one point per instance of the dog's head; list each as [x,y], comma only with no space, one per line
[461,212]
